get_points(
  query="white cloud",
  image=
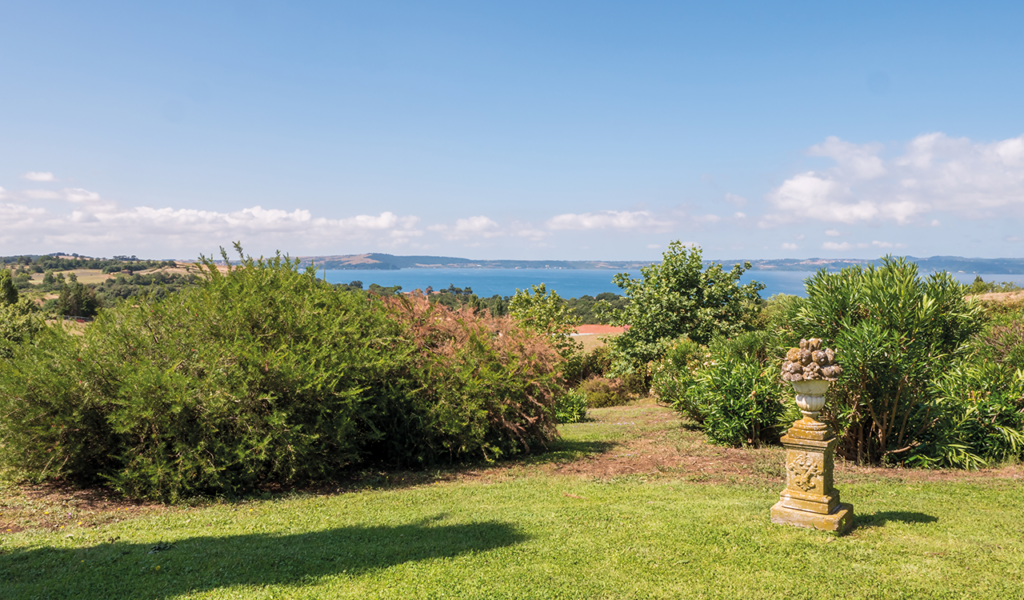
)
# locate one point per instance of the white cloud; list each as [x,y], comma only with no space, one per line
[832,232]
[934,173]
[654,246]
[859,245]
[740,215]
[471,228]
[788,246]
[39,176]
[609,219]
[739,201]
[529,232]
[1013,238]
[96,221]
[861,161]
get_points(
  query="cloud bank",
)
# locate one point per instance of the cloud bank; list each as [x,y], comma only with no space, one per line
[94,221]
[934,173]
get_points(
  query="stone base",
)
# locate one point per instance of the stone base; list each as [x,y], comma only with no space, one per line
[840,520]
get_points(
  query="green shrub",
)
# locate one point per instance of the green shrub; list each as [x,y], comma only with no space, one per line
[744,402]
[1002,340]
[752,346]
[18,323]
[980,417]
[736,401]
[895,334]
[264,375]
[584,365]
[8,291]
[571,407]
[602,392]
[673,375]
[1006,344]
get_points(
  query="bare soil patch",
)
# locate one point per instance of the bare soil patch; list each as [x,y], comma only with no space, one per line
[57,506]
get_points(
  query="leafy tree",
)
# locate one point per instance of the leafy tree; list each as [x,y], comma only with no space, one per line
[77,300]
[547,313]
[675,298]
[8,292]
[22,280]
[18,322]
[980,286]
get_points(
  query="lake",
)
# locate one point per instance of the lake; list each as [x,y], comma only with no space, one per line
[569,283]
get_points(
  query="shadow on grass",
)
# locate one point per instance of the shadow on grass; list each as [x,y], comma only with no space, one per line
[880,519]
[561,451]
[123,570]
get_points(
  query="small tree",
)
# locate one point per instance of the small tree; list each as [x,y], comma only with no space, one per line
[76,300]
[8,292]
[675,298]
[546,313]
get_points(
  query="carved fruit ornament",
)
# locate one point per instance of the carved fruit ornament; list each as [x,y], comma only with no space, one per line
[810,362]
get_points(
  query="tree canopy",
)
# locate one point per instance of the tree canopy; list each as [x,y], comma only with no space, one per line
[679,298]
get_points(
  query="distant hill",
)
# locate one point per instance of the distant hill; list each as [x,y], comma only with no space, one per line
[390,262]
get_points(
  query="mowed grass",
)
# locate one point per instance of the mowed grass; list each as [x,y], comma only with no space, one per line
[534,534]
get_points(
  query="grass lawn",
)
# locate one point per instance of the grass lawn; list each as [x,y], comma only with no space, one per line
[629,505]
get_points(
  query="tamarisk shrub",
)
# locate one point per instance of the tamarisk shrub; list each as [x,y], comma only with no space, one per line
[264,375]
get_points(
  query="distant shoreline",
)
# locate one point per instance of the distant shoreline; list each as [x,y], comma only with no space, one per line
[388,262]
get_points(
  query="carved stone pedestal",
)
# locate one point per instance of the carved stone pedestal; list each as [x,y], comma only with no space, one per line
[809,499]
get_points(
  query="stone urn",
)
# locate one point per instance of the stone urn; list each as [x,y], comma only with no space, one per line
[810,396]
[809,499]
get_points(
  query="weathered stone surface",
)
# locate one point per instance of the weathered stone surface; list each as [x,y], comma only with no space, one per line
[840,520]
[810,499]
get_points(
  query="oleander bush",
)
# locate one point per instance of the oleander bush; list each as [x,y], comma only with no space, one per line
[896,334]
[980,417]
[263,375]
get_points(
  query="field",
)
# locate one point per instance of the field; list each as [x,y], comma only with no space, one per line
[632,503]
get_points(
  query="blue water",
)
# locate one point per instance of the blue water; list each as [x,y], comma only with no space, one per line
[569,283]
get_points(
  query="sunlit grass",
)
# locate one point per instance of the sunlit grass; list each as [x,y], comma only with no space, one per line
[537,535]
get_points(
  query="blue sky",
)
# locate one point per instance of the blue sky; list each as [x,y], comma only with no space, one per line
[562,130]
